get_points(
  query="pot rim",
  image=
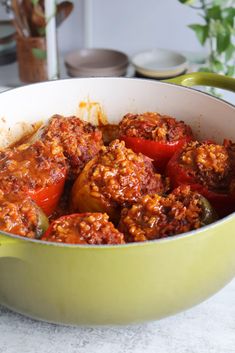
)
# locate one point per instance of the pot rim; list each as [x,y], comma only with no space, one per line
[161,82]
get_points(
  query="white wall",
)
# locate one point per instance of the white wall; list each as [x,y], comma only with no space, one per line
[131,25]
[71,32]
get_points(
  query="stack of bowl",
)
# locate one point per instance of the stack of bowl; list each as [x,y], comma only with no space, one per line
[7,43]
[96,63]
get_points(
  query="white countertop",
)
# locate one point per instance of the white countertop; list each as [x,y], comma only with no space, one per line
[207,328]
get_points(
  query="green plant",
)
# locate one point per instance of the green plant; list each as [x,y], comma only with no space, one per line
[217,32]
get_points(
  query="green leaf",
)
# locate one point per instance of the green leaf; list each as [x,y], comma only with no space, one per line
[41,31]
[39,53]
[214,12]
[34,2]
[222,41]
[230,70]
[229,52]
[214,92]
[217,2]
[205,69]
[217,66]
[201,32]
[228,15]
[188,2]
[222,3]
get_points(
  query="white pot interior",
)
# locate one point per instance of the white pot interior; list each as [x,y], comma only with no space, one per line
[209,117]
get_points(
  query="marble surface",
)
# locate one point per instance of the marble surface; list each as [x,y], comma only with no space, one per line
[207,328]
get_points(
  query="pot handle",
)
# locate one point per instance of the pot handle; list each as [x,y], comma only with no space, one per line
[8,246]
[204,79]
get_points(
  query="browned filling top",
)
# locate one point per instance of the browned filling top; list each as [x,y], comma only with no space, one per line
[155,216]
[123,176]
[86,228]
[18,215]
[79,140]
[115,178]
[31,166]
[153,126]
[209,163]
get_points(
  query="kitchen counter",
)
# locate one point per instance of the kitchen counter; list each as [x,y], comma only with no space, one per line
[9,74]
[9,77]
[207,328]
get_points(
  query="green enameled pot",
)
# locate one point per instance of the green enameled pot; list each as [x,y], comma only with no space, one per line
[100,285]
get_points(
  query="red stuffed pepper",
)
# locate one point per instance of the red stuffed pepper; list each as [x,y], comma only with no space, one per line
[37,170]
[117,177]
[84,228]
[155,216]
[156,136]
[20,215]
[209,169]
[80,141]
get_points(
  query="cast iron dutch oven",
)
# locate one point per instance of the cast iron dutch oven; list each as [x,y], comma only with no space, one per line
[121,284]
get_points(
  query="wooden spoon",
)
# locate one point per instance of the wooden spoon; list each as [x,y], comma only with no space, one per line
[20,26]
[35,16]
[38,16]
[24,19]
[64,9]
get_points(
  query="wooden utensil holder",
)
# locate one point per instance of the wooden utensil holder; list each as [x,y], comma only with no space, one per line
[31,67]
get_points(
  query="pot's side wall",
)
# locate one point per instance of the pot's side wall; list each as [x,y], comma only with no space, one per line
[118,285]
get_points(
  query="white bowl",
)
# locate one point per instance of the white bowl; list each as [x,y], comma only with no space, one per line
[159,63]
